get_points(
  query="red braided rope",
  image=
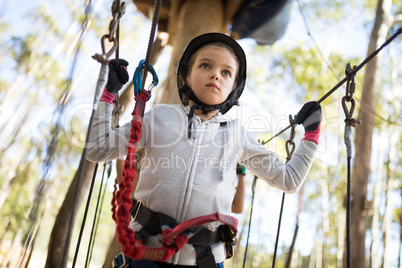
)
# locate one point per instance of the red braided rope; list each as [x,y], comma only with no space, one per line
[125,235]
[114,201]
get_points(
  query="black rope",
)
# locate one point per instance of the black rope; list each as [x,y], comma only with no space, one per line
[85,215]
[98,211]
[276,135]
[278,230]
[348,215]
[115,10]
[117,40]
[353,72]
[249,221]
[290,147]
[361,65]
[331,68]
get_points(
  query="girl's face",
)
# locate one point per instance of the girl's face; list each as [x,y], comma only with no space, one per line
[212,76]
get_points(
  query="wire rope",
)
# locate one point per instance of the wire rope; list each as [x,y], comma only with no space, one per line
[85,216]
[331,68]
[353,72]
[98,211]
[249,221]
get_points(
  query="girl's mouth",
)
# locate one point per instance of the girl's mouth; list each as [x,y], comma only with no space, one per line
[213,85]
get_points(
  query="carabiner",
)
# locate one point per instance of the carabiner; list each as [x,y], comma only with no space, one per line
[137,78]
[104,57]
[351,84]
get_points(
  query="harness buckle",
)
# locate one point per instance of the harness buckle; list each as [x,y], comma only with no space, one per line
[137,209]
[121,262]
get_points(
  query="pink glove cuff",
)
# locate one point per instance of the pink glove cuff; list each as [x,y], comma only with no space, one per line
[313,135]
[107,96]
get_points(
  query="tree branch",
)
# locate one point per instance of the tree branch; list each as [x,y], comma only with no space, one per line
[397,20]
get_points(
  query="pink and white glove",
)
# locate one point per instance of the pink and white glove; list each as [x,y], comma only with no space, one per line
[310,118]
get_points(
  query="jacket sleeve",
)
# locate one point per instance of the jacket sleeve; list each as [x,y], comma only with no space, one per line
[266,164]
[105,144]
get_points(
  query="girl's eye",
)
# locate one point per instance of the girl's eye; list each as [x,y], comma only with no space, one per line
[204,66]
[227,73]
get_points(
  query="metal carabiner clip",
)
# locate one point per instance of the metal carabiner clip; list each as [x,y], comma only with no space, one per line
[137,78]
[104,57]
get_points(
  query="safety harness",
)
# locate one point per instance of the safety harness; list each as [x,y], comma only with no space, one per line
[200,238]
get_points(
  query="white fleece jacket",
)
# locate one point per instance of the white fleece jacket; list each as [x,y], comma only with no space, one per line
[186,178]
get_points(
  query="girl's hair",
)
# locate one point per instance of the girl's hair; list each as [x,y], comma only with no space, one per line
[216,44]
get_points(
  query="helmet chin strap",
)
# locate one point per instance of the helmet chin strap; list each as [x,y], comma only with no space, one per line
[201,106]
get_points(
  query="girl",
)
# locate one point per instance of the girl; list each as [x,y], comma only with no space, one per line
[191,151]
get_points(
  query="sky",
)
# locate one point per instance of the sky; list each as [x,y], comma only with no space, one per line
[349,37]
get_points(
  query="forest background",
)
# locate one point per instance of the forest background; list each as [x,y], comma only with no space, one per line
[39,60]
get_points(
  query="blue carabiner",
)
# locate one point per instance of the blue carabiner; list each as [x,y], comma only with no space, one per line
[137,78]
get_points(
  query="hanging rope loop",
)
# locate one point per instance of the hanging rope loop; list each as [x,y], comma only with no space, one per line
[290,145]
[350,90]
[348,139]
[290,148]
[351,85]
[118,11]
[348,111]
[104,57]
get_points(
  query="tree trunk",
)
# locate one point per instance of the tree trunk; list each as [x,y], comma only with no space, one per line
[374,258]
[363,139]
[58,237]
[390,177]
[400,233]
[194,18]
[113,250]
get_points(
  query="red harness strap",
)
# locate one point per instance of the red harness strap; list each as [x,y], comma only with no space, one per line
[168,235]
[125,235]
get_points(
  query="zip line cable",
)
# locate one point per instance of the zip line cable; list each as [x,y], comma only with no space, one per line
[250,217]
[155,17]
[290,148]
[361,65]
[107,166]
[331,68]
[85,215]
[345,79]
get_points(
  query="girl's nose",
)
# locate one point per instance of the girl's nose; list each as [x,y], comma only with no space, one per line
[214,76]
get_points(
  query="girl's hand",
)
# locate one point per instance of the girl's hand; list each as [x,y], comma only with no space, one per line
[310,118]
[117,78]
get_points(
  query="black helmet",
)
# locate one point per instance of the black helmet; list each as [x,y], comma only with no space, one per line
[186,93]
